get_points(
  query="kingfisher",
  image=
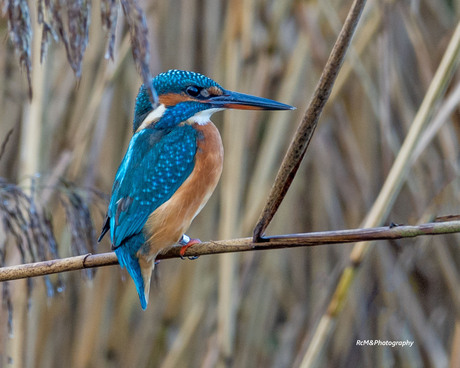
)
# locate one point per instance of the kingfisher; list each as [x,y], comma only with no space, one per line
[172,165]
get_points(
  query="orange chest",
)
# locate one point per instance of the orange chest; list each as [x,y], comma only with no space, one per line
[168,222]
[210,153]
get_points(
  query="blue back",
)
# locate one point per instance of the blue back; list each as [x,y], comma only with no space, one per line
[156,164]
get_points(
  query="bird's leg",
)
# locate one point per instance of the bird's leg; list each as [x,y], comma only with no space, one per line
[185,243]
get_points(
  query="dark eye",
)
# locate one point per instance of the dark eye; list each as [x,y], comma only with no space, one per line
[193,91]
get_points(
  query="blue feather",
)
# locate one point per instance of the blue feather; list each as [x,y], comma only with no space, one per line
[175,81]
[180,112]
[128,259]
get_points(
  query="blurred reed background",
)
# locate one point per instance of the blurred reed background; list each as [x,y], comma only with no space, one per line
[236,310]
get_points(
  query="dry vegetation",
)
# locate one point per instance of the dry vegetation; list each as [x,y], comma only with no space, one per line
[255,309]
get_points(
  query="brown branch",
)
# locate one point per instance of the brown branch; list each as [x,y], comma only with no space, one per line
[238,245]
[305,131]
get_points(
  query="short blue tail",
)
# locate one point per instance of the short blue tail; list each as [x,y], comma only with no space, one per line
[127,258]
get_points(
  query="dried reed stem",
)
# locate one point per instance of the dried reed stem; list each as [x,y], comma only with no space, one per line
[238,245]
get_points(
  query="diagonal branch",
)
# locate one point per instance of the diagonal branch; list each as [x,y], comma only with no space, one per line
[240,245]
[387,196]
[305,131]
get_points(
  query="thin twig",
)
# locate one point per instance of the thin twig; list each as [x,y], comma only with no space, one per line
[135,18]
[305,131]
[238,245]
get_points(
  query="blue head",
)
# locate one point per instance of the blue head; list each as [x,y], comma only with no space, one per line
[184,95]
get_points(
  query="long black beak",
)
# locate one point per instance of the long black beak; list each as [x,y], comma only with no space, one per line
[235,100]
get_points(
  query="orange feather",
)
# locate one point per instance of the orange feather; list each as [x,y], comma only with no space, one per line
[166,225]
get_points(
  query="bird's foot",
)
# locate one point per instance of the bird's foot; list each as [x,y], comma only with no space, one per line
[186,243]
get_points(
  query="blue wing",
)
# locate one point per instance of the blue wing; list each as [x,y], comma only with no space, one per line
[154,167]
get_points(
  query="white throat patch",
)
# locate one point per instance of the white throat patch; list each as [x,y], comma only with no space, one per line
[152,117]
[202,117]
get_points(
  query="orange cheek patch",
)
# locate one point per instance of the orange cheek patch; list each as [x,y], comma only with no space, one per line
[171,99]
